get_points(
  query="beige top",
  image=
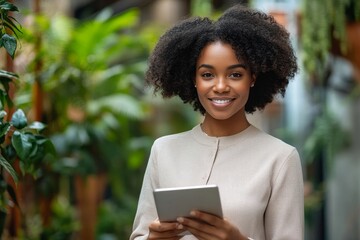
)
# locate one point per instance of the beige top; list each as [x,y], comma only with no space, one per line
[259,178]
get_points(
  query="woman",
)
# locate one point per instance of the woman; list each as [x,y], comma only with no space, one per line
[225,68]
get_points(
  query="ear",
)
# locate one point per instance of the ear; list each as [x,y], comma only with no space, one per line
[253,80]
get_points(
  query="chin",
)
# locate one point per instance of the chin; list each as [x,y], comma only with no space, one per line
[220,117]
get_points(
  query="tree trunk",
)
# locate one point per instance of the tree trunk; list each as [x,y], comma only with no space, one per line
[89,192]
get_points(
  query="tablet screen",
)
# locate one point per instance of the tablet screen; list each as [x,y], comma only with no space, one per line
[179,202]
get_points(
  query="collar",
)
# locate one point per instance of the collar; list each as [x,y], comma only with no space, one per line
[203,138]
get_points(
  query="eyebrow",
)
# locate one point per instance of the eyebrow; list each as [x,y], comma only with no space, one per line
[230,67]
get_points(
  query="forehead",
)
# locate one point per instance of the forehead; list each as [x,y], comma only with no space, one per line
[218,52]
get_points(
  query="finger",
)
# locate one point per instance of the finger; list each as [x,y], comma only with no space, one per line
[158,230]
[194,224]
[163,226]
[221,230]
[206,217]
[200,229]
[199,234]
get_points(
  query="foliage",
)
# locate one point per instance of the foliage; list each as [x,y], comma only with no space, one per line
[92,78]
[96,107]
[63,226]
[201,7]
[328,136]
[96,72]
[323,31]
[114,219]
[323,27]
[19,140]
[8,24]
[64,222]
[8,33]
[323,21]
[26,143]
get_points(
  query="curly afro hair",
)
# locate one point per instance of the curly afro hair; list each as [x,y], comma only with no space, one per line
[255,37]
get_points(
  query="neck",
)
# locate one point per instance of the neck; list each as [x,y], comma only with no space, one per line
[221,128]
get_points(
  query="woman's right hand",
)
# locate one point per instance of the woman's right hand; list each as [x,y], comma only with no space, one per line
[165,230]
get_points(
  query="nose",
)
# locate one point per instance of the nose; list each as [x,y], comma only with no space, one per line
[221,85]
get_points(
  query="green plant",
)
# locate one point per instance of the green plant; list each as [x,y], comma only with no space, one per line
[323,33]
[8,23]
[328,138]
[62,227]
[95,68]
[321,23]
[19,141]
[114,219]
[92,78]
[64,222]
[96,106]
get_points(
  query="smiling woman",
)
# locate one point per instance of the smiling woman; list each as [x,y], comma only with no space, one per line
[225,68]
[223,85]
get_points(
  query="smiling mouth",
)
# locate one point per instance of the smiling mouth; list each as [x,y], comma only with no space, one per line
[221,101]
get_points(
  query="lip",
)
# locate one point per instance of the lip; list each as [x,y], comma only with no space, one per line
[221,102]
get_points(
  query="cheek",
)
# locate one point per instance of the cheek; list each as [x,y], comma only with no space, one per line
[202,86]
[242,88]
[198,80]
[200,92]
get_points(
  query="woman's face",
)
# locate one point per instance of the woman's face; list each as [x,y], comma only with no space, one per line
[222,82]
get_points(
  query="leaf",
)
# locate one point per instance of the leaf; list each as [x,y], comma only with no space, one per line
[2,114]
[9,153]
[37,126]
[7,166]
[5,99]
[6,6]
[4,128]
[11,19]
[11,27]
[118,103]
[8,75]
[47,145]
[124,20]
[18,119]
[22,144]
[10,44]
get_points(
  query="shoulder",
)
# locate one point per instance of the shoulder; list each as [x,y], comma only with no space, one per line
[169,146]
[282,159]
[272,147]
[173,139]
[265,139]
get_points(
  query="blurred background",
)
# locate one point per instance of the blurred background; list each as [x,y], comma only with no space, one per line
[78,71]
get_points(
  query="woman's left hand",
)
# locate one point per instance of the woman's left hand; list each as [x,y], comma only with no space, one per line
[206,226]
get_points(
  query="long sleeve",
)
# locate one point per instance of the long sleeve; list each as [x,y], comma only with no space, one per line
[146,212]
[284,216]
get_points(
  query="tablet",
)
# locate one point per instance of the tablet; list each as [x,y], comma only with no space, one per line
[179,202]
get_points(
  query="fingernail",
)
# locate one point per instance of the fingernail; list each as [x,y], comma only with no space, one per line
[180,219]
[192,213]
[179,226]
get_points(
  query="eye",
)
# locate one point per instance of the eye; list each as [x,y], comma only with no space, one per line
[206,75]
[236,75]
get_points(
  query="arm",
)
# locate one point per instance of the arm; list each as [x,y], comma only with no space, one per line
[146,212]
[146,226]
[284,216]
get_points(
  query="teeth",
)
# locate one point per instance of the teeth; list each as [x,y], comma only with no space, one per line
[221,101]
